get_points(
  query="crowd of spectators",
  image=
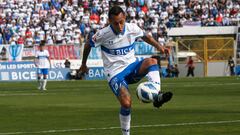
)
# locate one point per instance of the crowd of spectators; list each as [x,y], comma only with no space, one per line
[69,21]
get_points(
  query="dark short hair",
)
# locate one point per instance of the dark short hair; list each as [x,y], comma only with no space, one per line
[115,10]
[42,43]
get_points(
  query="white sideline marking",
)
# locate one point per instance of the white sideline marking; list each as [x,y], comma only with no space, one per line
[199,85]
[23,94]
[163,84]
[110,128]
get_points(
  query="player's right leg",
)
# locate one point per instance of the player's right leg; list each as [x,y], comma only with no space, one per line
[39,76]
[150,67]
[120,89]
[44,83]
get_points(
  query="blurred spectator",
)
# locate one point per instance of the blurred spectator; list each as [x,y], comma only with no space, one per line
[172,71]
[59,36]
[49,38]
[36,38]
[20,40]
[77,37]
[231,65]
[67,63]
[8,35]
[94,18]
[175,71]
[1,39]
[190,66]
[52,19]
[161,40]
[169,71]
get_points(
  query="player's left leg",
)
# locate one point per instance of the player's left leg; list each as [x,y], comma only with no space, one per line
[44,83]
[150,67]
[192,71]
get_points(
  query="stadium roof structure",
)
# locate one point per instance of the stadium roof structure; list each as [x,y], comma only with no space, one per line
[202,31]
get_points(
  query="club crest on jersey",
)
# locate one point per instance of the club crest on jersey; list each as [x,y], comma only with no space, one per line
[110,42]
[96,36]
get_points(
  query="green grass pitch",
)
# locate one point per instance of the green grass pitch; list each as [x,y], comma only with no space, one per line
[200,106]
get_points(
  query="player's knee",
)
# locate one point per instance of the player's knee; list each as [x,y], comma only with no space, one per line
[151,61]
[44,77]
[126,104]
[125,98]
[39,78]
[125,111]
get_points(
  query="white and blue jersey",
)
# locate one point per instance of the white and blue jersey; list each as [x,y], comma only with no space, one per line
[117,49]
[42,57]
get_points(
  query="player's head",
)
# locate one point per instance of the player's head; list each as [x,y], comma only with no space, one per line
[117,19]
[41,46]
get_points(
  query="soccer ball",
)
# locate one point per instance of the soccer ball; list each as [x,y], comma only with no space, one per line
[146,91]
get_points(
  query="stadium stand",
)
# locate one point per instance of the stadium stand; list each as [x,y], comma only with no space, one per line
[62,21]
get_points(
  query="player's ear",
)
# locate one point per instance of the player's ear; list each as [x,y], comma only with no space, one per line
[108,21]
[124,15]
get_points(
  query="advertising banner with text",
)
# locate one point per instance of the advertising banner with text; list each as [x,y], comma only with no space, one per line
[26,71]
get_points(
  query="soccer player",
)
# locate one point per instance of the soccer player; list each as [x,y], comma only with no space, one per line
[190,66]
[231,65]
[120,64]
[43,63]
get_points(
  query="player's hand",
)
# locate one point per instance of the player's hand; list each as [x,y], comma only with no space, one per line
[83,69]
[166,51]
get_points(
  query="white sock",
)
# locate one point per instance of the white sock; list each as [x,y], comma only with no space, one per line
[153,76]
[39,83]
[125,124]
[44,83]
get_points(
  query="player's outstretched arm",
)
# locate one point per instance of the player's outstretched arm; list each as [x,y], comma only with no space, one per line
[87,48]
[150,40]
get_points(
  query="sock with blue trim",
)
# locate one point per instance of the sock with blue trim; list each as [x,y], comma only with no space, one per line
[153,74]
[39,83]
[44,83]
[125,119]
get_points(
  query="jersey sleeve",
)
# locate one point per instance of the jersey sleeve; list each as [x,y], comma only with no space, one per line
[47,53]
[137,31]
[96,39]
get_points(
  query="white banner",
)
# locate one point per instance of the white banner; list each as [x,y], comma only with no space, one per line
[28,52]
[75,64]
[13,52]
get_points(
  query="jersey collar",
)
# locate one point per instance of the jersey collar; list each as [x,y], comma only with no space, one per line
[116,33]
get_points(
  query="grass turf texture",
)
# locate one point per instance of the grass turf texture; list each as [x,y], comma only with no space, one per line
[81,105]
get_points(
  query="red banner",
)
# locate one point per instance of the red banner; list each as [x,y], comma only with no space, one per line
[61,52]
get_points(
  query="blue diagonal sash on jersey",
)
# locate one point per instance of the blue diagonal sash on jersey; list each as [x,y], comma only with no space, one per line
[118,51]
[42,57]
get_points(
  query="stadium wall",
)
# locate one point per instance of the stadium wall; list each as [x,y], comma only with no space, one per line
[202,31]
[194,32]
[26,71]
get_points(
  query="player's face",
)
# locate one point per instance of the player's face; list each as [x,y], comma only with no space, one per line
[41,48]
[118,22]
